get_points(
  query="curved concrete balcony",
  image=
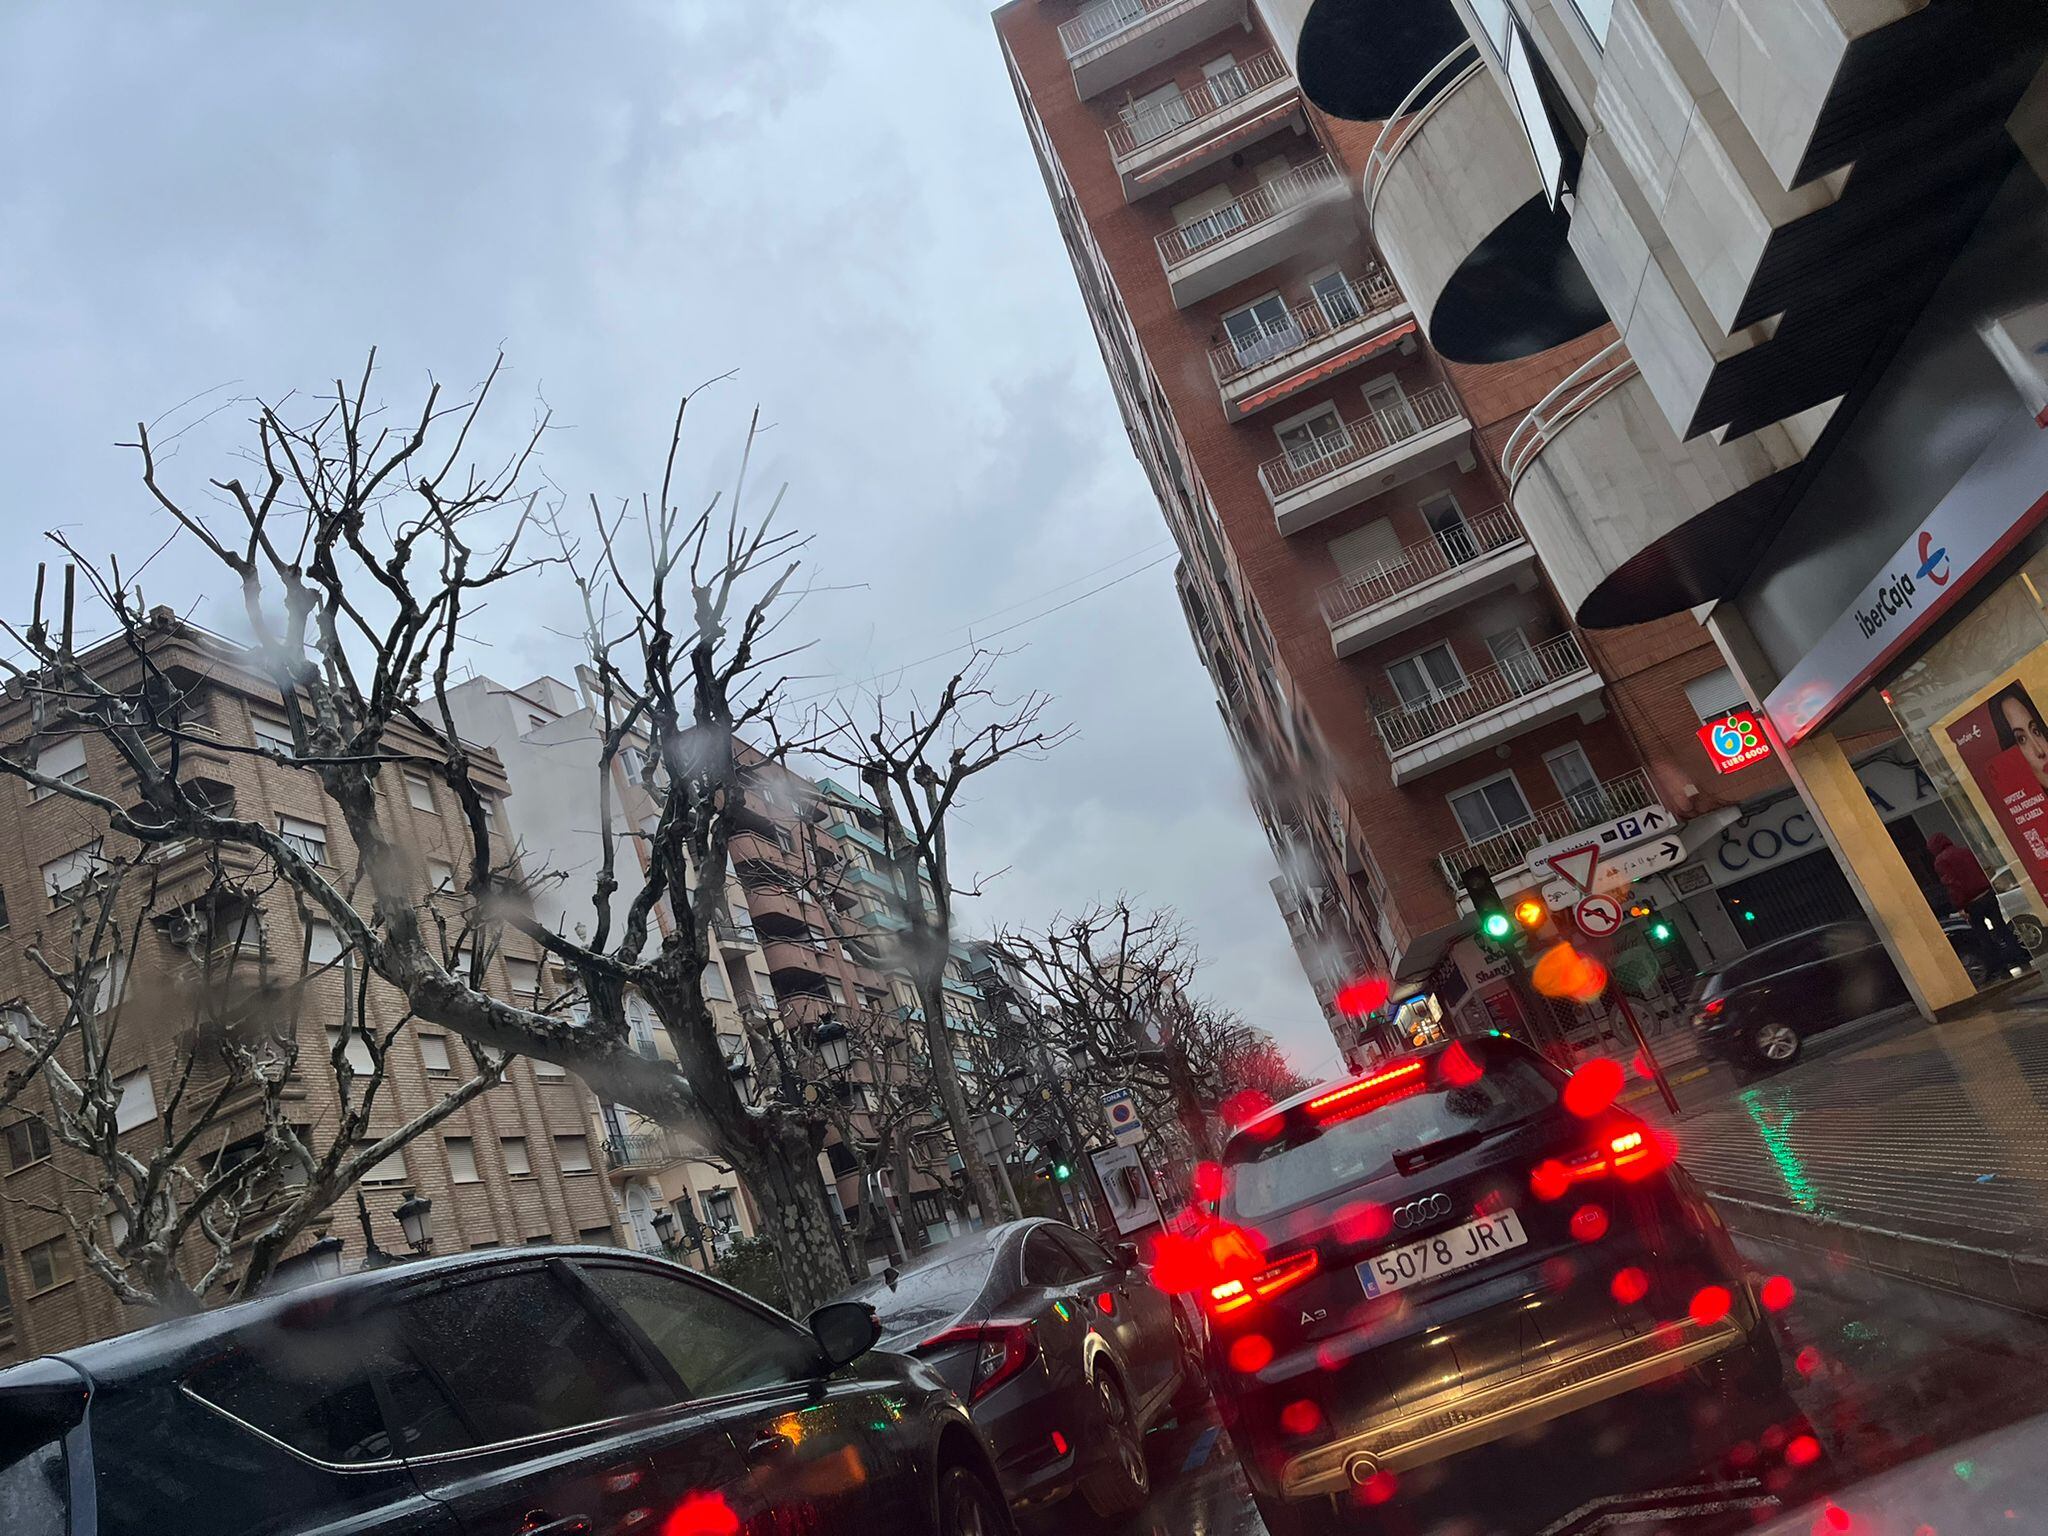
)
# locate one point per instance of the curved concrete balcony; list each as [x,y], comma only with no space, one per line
[1315,341]
[1208,122]
[1112,41]
[1545,683]
[1374,452]
[1632,523]
[1505,855]
[1273,221]
[1460,214]
[1428,579]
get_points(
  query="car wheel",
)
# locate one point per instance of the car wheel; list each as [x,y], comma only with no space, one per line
[1774,1043]
[1123,1482]
[2028,930]
[1194,1380]
[969,1507]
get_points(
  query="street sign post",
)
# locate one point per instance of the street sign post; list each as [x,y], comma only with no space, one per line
[1120,1115]
[1607,839]
[1611,875]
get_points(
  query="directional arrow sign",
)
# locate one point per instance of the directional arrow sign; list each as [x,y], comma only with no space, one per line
[1615,874]
[1610,837]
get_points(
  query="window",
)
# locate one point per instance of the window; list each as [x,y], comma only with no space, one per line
[461,1159]
[1446,519]
[434,1053]
[716,1344]
[548,1069]
[714,983]
[1336,298]
[28,1141]
[388,1169]
[419,791]
[1490,808]
[572,1154]
[3,913]
[1598,15]
[65,877]
[835,990]
[49,1265]
[1519,667]
[1427,676]
[63,761]
[490,810]
[274,734]
[1049,1263]
[596,1237]
[523,976]
[440,875]
[1716,696]
[1310,439]
[1366,551]
[307,838]
[6,1301]
[1262,331]
[463,1387]
[137,1102]
[323,944]
[1226,80]
[1391,410]
[514,1148]
[1208,218]
[1093,1257]
[1574,776]
[311,1393]
[358,1053]
[1157,112]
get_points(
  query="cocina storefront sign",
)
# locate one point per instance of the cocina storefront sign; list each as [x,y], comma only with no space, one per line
[1783,830]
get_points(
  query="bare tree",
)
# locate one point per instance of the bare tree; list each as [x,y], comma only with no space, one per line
[252,1137]
[361,548]
[914,769]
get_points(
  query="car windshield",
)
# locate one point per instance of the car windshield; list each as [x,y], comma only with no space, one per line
[1267,1175]
[925,1298]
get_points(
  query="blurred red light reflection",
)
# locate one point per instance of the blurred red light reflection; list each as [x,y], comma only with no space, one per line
[1251,1353]
[1363,1222]
[1833,1518]
[1589,1223]
[1301,1417]
[1807,1361]
[1710,1303]
[1804,1451]
[1458,1067]
[1366,995]
[1777,1293]
[1630,1285]
[1208,1182]
[1378,1488]
[1593,1087]
[701,1514]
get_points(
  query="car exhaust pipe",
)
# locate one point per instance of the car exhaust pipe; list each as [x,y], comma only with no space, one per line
[1362,1468]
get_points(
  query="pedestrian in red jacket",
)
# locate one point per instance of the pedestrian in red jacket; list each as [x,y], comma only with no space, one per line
[1970,889]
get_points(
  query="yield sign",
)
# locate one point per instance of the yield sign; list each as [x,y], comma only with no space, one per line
[1575,865]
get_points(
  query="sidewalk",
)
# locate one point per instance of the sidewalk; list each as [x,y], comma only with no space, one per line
[1915,1148]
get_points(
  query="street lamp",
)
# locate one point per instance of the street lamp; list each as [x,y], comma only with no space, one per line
[743,1078]
[835,1046]
[412,1214]
[323,1259]
[665,1228]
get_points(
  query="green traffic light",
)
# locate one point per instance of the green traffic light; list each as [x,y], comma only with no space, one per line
[1661,932]
[1063,1173]
[1496,925]
[1748,916]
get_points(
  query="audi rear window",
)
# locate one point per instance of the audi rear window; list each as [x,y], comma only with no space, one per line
[1311,1160]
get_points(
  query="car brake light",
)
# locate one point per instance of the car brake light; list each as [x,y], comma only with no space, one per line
[1627,1152]
[1713,1005]
[1001,1350]
[1369,1093]
[1234,1295]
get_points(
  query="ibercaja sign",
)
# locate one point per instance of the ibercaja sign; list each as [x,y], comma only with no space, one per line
[1734,743]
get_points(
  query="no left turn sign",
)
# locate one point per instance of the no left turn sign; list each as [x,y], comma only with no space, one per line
[1598,916]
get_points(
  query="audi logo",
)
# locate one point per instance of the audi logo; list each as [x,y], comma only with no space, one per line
[1416,1212]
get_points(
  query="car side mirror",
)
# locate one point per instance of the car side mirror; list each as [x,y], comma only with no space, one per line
[1126,1255]
[845,1330]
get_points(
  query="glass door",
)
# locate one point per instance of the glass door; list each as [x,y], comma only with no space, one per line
[1390,408]
[1427,676]
[1517,659]
[1453,534]
[1577,783]
[1262,331]
[1310,442]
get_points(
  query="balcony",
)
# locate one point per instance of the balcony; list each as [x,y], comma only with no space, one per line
[1543,684]
[1426,579]
[1274,220]
[625,1155]
[805,956]
[1162,144]
[1113,41]
[1315,341]
[1506,853]
[1364,457]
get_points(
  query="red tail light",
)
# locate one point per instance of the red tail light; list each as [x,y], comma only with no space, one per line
[1369,1093]
[1712,1006]
[1627,1151]
[1236,1294]
[1002,1349]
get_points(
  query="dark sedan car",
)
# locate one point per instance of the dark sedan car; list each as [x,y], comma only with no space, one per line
[549,1392]
[1064,1351]
[1432,1285]
[1757,1011]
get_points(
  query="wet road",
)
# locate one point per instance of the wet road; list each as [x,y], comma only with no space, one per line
[1893,1372]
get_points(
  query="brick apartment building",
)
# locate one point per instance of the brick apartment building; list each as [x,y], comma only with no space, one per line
[1406,693]
[518,1164]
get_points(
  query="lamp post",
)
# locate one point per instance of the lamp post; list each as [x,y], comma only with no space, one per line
[412,1213]
[665,1230]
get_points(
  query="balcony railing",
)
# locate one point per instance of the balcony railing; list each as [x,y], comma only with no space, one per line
[1219,93]
[1292,189]
[1602,373]
[1304,325]
[1444,550]
[1509,849]
[1096,28]
[637,1151]
[1353,442]
[1406,725]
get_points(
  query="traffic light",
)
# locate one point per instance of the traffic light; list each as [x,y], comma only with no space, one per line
[1659,930]
[1487,909]
[1530,914]
[1061,1172]
[1052,1161]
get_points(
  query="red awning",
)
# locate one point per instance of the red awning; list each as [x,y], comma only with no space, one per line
[1329,367]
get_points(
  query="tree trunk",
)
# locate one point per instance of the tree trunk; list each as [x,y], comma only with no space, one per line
[783,1176]
[981,1183]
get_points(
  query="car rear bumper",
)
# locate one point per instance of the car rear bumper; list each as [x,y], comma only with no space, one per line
[1435,1431]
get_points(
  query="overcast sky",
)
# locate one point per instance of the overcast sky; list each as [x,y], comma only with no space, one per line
[838,202]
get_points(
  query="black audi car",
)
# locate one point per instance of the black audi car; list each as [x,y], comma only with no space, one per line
[1416,1273]
[546,1392]
[1064,1351]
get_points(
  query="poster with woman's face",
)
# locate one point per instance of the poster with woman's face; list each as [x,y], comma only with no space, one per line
[2002,744]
